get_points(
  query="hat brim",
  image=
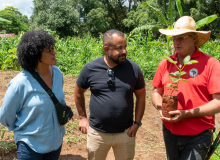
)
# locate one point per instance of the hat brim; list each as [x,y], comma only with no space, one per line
[203,36]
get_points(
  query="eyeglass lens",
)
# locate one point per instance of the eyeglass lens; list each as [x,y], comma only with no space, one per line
[52,49]
[178,38]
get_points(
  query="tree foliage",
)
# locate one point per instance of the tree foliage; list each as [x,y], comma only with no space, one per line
[68,17]
[57,15]
[115,12]
[18,21]
[98,21]
[198,9]
[204,9]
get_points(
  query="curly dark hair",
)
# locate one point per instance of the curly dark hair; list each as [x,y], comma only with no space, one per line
[31,46]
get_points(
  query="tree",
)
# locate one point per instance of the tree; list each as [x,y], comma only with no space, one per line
[169,19]
[98,21]
[157,10]
[141,16]
[4,21]
[115,12]
[204,9]
[18,21]
[57,15]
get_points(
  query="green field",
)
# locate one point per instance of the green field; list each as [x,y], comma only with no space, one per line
[74,52]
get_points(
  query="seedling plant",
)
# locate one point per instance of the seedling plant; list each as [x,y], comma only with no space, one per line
[176,76]
[5,145]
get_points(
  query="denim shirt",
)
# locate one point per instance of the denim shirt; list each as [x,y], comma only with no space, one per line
[29,111]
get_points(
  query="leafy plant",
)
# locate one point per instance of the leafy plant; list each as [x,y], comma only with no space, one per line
[5,20]
[168,21]
[176,76]
[10,61]
[4,145]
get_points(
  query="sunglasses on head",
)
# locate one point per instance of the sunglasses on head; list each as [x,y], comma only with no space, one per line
[111,78]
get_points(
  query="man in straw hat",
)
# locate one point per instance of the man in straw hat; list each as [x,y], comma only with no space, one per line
[188,133]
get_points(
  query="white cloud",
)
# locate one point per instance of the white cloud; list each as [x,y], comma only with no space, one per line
[24,6]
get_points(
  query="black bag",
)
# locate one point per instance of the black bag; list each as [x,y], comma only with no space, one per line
[64,113]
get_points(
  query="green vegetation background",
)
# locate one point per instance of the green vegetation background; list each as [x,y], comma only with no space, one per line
[74,52]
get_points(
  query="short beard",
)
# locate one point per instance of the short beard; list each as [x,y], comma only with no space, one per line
[117,61]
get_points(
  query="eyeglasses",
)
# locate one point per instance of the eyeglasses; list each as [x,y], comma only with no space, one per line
[180,39]
[111,78]
[118,48]
[52,50]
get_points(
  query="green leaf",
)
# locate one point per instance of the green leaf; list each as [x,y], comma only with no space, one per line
[181,79]
[194,61]
[145,4]
[171,12]
[175,80]
[182,73]
[190,62]
[187,63]
[169,84]
[5,20]
[206,20]
[2,143]
[170,60]
[179,7]
[186,59]
[177,73]
[3,133]
[142,28]
[8,146]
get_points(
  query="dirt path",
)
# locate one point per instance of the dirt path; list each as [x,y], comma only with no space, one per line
[149,140]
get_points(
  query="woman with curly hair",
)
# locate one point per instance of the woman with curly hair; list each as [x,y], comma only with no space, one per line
[27,108]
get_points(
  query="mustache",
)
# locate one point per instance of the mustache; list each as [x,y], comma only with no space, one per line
[122,55]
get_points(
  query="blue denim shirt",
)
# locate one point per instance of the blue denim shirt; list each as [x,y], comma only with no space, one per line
[29,111]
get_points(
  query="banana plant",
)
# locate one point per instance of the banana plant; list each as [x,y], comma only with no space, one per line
[5,20]
[171,16]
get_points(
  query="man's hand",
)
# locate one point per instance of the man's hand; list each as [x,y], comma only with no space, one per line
[158,107]
[133,130]
[84,125]
[177,115]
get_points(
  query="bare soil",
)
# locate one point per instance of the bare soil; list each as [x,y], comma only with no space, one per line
[169,103]
[149,138]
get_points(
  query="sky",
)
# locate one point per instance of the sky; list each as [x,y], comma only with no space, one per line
[24,6]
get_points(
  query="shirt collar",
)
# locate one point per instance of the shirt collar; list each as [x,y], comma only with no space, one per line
[194,55]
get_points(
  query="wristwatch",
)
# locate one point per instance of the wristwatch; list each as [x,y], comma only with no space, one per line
[138,123]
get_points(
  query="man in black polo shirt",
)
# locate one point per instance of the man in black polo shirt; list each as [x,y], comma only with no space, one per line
[112,80]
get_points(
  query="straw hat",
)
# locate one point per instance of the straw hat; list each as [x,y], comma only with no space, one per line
[187,24]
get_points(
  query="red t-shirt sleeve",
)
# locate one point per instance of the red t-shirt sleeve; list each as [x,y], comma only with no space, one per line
[157,80]
[213,84]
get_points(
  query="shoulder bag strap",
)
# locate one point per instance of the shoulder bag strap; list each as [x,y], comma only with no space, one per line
[44,86]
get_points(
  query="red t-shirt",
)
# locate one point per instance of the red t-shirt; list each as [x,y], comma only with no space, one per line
[203,81]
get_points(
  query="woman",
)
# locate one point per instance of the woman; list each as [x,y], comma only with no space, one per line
[27,108]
